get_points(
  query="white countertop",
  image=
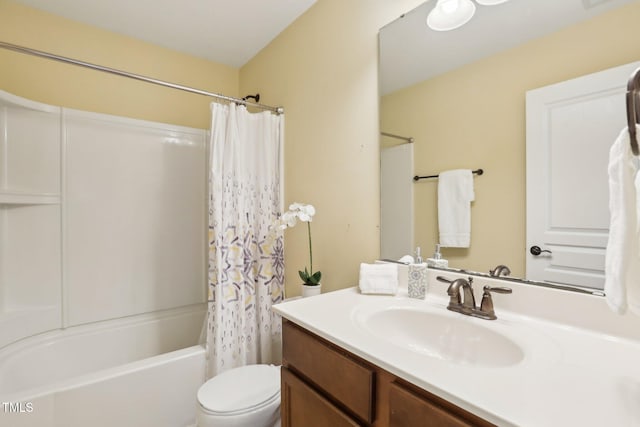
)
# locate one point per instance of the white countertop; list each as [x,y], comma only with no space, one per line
[569,375]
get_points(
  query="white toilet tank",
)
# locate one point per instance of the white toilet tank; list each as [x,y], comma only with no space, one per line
[248,396]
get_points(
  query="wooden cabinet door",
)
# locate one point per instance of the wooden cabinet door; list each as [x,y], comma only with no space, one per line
[407,409]
[302,406]
[330,369]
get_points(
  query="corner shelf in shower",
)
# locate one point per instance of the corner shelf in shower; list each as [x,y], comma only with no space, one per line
[17,198]
[30,218]
[30,263]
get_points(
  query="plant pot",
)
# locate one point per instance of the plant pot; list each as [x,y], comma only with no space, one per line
[311,290]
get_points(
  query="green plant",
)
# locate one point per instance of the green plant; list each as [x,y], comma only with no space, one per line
[304,213]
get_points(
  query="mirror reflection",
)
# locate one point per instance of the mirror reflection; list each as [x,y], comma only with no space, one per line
[462,95]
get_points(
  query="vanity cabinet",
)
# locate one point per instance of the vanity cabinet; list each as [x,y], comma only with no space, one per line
[325,385]
[304,406]
[343,381]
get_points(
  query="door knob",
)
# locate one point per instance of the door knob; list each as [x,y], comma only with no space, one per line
[535,250]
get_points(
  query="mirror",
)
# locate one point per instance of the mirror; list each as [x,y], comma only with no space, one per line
[460,95]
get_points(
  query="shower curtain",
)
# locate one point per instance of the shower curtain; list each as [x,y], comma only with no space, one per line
[246,253]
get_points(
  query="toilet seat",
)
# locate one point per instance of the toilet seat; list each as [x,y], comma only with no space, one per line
[240,391]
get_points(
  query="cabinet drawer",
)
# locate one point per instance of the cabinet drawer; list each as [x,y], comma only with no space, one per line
[302,406]
[408,409]
[347,381]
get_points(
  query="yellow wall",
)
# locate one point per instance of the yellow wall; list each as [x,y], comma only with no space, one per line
[323,69]
[71,86]
[474,117]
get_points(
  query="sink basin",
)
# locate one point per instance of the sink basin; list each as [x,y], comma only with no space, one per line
[454,338]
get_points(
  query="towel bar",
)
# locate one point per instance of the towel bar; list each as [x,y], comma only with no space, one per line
[418,178]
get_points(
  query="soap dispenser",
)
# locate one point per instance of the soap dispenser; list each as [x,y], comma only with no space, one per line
[436,260]
[417,280]
[418,258]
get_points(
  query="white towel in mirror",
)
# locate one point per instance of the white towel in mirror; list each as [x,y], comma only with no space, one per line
[622,262]
[455,194]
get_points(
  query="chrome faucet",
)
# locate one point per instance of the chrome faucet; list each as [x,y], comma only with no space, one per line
[466,303]
[486,305]
[501,270]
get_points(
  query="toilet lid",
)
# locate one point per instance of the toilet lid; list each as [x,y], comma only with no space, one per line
[240,389]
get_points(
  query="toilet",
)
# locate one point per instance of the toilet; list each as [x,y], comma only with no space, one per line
[248,396]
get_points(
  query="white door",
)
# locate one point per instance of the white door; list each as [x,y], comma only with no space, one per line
[570,127]
[396,201]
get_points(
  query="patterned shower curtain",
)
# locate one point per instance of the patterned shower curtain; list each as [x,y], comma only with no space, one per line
[246,254]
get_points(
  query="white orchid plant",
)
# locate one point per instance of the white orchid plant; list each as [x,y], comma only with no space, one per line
[304,213]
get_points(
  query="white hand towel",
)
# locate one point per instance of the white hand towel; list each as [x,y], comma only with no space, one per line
[622,262]
[378,278]
[455,194]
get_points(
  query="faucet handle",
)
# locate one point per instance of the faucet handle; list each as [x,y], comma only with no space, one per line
[444,279]
[498,290]
[486,306]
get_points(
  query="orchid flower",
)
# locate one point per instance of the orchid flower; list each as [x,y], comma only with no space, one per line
[304,213]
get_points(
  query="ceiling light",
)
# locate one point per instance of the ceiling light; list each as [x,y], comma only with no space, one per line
[450,14]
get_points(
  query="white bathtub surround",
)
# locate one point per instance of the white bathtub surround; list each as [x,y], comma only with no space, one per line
[622,261]
[102,267]
[101,217]
[572,362]
[143,370]
[246,254]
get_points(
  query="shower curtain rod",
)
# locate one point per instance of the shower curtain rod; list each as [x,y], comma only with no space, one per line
[41,54]
[409,139]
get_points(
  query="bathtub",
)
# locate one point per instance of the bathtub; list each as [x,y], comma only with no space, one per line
[139,371]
